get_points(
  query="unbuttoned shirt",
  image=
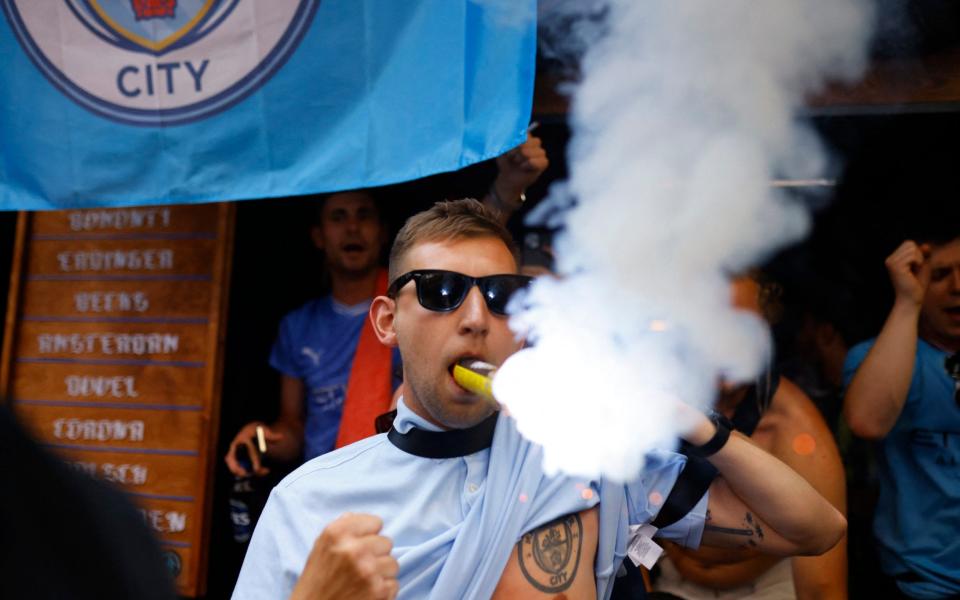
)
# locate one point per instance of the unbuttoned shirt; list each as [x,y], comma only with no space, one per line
[453,521]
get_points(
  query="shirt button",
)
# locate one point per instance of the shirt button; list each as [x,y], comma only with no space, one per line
[471,487]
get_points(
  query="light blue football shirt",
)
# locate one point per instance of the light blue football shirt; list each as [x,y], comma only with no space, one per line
[316,344]
[917,519]
[454,521]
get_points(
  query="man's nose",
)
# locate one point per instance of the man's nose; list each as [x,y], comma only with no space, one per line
[473,314]
[353,224]
[955,280]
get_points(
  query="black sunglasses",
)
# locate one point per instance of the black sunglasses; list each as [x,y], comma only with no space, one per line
[952,364]
[444,291]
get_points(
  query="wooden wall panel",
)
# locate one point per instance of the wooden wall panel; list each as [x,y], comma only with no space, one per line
[165,384]
[113,356]
[165,301]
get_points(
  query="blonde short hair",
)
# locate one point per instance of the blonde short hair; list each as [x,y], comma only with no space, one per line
[444,221]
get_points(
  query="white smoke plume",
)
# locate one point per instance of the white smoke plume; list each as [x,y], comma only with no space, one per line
[684,113]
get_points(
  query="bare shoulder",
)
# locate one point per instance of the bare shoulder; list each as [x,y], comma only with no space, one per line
[554,560]
[792,412]
[799,436]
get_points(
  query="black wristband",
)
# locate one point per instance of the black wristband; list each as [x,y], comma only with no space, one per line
[719,439]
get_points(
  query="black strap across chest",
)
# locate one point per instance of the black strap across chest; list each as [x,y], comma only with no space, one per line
[759,396]
[698,474]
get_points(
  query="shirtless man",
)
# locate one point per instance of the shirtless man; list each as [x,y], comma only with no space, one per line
[462,494]
[791,428]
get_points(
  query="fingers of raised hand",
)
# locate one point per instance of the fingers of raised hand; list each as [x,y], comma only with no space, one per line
[907,256]
[369,558]
[353,525]
[530,155]
[355,537]
[383,580]
[388,566]
[391,587]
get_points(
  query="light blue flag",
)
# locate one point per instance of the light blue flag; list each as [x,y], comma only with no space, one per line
[124,102]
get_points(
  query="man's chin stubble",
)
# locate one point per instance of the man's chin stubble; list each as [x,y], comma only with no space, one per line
[456,420]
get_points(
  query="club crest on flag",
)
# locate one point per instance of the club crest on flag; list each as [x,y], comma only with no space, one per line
[151,26]
[149,9]
[158,62]
[153,102]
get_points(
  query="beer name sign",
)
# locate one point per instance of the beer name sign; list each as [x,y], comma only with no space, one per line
[158,62]
[114,360]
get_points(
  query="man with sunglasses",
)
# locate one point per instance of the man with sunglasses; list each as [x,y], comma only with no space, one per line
[318,342]
[463,496]
[903,393]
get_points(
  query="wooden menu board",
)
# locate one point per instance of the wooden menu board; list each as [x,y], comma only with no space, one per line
[113,356]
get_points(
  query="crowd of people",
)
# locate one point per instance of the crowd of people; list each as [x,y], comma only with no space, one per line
[449,501]
[773,412]
[899,390]
[465,497]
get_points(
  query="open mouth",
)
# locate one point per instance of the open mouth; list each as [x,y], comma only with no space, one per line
[462,361]
[471,362]
[477,365]
[473,376]
[352,248]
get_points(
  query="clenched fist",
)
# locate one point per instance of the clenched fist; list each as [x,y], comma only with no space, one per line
[351,560]
[909,270]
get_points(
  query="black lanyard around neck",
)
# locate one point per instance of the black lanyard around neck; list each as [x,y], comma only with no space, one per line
[446,444]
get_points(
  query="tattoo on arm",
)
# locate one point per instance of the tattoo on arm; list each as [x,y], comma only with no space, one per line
[751,528]
[729,530]
[550,554]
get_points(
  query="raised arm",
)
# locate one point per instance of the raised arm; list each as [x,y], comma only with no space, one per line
[759,502]
[517,170]
[793,431]
[878,391]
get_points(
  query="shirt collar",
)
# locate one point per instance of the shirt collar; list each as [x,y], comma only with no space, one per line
[428,441]
[407,419]
[350,310]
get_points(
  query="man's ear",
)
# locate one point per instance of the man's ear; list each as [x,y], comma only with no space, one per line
[316,234]
[383,316]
